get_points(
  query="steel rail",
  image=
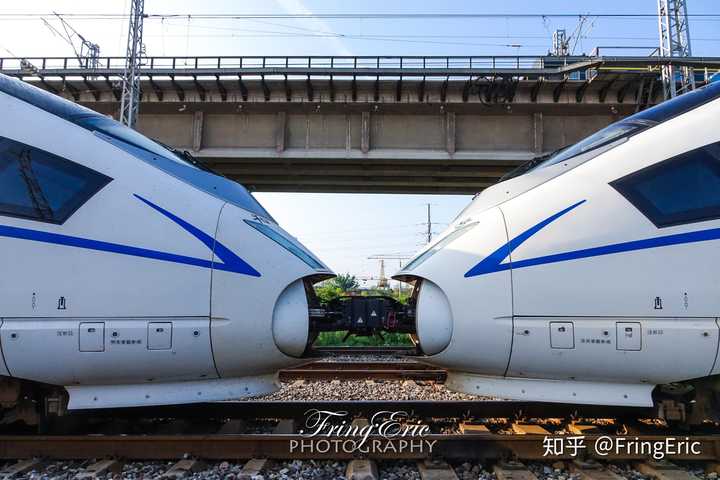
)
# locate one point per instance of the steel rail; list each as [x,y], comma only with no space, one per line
[407,365]
[387,370]
[279,446]
[419,408]
[436,375]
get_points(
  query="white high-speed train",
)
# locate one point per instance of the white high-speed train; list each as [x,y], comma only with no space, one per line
[130,275]
[591,277]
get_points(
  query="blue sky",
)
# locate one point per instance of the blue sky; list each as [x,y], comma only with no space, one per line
[345,229]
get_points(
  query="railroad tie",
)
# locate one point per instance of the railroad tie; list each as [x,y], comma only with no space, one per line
[583,429]
[528,429]
[513,471]
[361,469]
[711,467]
[21,467]
[473,428]
[183,468]
[592,470]
[253,468]
[101,468]
[664,470]
[436,470]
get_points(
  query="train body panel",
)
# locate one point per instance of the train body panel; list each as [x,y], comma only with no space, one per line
[611,251]
[241,316]
[625,283]
[470,312]
[102,351]
[86,397]
[613,349]
[131,275]
[114,215]
[548,390]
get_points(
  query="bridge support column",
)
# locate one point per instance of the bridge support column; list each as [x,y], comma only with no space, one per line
[197,130]
[280,131]
[365,132]
[538,133]
[450,132]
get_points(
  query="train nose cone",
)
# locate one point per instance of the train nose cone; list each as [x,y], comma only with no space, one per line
[434,322]
[291,321]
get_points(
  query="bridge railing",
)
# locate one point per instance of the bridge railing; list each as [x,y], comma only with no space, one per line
[325,63]
[575,67]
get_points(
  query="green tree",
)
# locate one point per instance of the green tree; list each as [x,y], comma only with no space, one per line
[346,282]
[327,291]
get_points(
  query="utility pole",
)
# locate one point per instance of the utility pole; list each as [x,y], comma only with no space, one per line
[675,42]
[427,231]
[131,77]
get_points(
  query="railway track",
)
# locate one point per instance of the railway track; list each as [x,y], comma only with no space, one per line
[480,446]
[364,370]
[423,409]
[257,432]
[256,469]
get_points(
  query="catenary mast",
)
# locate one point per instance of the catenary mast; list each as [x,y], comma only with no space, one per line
[130,99]
[675,42]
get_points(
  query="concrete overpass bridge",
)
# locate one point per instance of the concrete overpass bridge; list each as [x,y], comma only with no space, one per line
[366,124]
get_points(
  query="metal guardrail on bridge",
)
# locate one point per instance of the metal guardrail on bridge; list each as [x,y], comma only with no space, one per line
[384,66]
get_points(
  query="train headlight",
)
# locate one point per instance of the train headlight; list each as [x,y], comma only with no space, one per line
[434,322]
[291,320]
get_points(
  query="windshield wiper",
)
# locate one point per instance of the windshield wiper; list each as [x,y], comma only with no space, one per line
[187,157]
[530,164]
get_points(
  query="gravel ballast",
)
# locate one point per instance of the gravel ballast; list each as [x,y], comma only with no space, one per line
[318,391]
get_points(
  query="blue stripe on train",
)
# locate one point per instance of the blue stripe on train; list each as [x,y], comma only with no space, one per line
[493,262]
[230,261]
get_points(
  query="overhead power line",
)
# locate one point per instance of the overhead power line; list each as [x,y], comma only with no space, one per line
[88,52]
[356,15]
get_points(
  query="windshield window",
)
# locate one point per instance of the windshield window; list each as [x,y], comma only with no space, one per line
[454,235]
[217,186]
[135,143]
[638,122]
[607,135]
[115,129]
[289,244]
